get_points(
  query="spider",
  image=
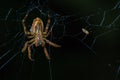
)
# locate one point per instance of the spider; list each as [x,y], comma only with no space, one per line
[37,36]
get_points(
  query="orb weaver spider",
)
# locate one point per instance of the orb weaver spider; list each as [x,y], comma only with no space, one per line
[37,36]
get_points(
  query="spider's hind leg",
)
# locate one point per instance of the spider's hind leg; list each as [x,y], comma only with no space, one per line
[29,54]
[51,43]
[46,53]
[29,50]
[25,47]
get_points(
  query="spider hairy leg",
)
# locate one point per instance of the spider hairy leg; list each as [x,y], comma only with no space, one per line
[32,40]
[48,24]
[25,47]
[29,51]
[51,43]
[29,54]
[23,23]
[30,37]
[46,53]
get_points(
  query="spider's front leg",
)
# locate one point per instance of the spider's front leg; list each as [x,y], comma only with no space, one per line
[23,24]
[46,32]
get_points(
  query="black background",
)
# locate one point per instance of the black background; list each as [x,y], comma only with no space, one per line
[73,61]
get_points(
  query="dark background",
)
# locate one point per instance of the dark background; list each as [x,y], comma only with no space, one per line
[73,61]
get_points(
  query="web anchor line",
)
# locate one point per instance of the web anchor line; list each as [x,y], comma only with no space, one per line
[50,70]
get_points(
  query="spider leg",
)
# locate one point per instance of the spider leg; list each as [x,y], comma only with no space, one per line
[23,24]
[32,40]
[48,33]
[51,43]
[25,47]
[46,53]
[48,24]
[29,51]
[32,43]
[32,36]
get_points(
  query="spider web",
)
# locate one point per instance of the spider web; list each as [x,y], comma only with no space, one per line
[14,36]
[99,24]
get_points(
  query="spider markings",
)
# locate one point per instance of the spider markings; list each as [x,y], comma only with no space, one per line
[37,36]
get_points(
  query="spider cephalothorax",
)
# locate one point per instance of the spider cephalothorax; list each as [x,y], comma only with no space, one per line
[37,36]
